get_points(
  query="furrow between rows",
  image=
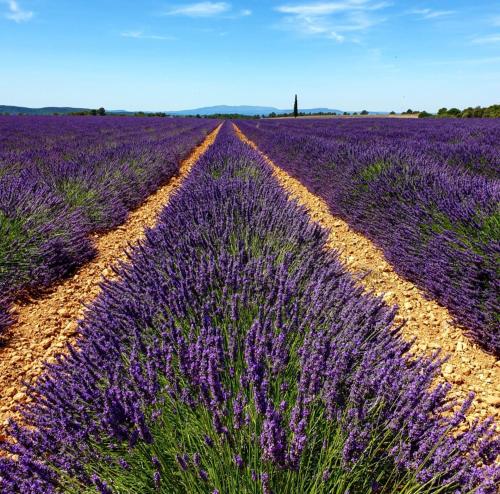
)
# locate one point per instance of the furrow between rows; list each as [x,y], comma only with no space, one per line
[468,368]
[46,324]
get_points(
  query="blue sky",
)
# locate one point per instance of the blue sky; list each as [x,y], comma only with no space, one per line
[167,55]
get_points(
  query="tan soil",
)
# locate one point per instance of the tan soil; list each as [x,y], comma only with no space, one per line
[48,322]
[468,368]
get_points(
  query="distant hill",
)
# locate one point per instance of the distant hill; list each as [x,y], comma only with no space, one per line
[48,110]
[206,110]
[245,110]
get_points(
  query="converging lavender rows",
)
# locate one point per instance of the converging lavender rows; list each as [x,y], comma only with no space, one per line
[235,355]
[64,178]
[427,192]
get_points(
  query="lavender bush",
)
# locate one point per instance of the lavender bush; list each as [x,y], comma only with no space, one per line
[63,178]
[426,192]
[235,355]
[40,236]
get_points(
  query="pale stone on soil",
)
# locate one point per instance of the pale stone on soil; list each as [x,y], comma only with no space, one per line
[430,323]
[42,329]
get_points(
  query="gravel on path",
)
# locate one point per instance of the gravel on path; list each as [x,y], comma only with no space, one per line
[47,323]
[468,367]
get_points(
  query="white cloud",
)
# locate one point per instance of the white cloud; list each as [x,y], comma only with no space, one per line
[315,9]
[486,40]
[16,13]
[200,9]
[208,9]
[431,14]
[141,35]
[239,14]
[328,8]
[332,20]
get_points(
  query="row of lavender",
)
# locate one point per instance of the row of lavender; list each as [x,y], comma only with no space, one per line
[237,356]
[63,178]
[426,192]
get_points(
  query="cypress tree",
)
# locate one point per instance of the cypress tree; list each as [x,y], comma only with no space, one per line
[295,108]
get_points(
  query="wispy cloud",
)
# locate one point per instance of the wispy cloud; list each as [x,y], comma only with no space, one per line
[430,13]
[142,35]
[327,8]
[332,20]
[237,14]
[487,40]
[200,9]
[208,9]
[16,13]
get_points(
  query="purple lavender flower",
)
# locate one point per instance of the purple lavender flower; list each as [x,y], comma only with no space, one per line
[101,485]
[167,333]
[70,176]
[181,460]
[157,479]
[273,437]
[239,461]
[439,178]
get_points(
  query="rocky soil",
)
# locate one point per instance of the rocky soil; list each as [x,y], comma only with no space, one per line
[47,323]
[468,368]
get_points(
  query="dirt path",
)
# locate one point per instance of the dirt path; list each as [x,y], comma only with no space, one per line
[468,368]
[46,323]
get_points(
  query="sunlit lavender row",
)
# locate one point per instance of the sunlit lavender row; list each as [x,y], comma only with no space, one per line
[63,178]
[235,355]
[425,191]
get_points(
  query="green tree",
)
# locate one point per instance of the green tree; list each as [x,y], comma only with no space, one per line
[492,111]
[468,112]
[442,111]
[364,112]
[101,111]
[454,112]
[295,108]
[478,112]
[392,113]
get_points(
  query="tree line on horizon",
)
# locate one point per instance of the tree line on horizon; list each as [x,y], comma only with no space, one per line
[492,111]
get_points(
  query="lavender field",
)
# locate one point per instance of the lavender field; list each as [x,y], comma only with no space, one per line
[235,354]
[250,247]
[64,178]
[427,192]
